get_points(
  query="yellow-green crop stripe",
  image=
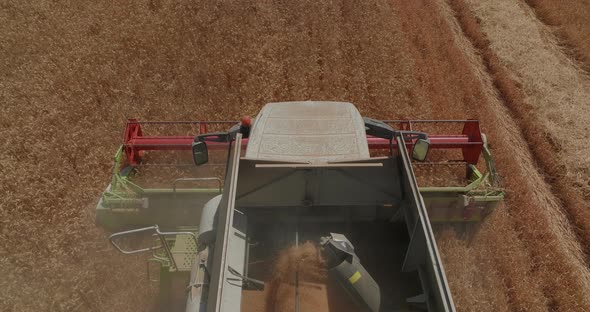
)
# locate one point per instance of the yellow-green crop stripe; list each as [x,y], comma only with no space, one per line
[355,277]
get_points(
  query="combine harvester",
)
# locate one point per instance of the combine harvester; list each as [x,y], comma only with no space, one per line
[303,171]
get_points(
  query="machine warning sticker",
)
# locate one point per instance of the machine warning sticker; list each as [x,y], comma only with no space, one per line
[355,277]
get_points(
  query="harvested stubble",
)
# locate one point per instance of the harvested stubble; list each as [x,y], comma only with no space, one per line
[570,22]
[532,94]
[543,82]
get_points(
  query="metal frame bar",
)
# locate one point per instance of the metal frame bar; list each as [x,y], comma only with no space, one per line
[422,254]
[219,182]
[225,217]
[135,143]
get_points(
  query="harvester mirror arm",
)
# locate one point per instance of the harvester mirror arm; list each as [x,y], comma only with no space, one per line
[199,146]
[411,135]
[378,128]
[241,127]
[214,137]
[382,130]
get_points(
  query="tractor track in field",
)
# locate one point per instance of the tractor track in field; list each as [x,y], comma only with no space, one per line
[533,265]
[569,201]
[542,146]
[69,75]
[570,24]
[511,268]
[545,148]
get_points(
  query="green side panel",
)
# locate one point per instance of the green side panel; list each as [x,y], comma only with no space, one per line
[470,203]
[168,210]
[125,204]
[457,207]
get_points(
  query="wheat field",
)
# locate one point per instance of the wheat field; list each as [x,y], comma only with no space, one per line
[72,72]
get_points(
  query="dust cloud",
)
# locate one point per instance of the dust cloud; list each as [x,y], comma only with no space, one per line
[317,292]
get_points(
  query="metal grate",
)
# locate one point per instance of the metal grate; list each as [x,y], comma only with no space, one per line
[184,251]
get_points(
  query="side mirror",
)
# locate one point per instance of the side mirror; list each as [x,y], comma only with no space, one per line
[420,149]
[200,153]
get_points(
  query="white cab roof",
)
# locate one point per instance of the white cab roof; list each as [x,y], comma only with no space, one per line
[310,132]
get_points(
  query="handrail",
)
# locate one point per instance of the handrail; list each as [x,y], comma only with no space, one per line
[161,236]
[219,182]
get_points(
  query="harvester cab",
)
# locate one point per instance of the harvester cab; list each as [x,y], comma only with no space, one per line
[301,172]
